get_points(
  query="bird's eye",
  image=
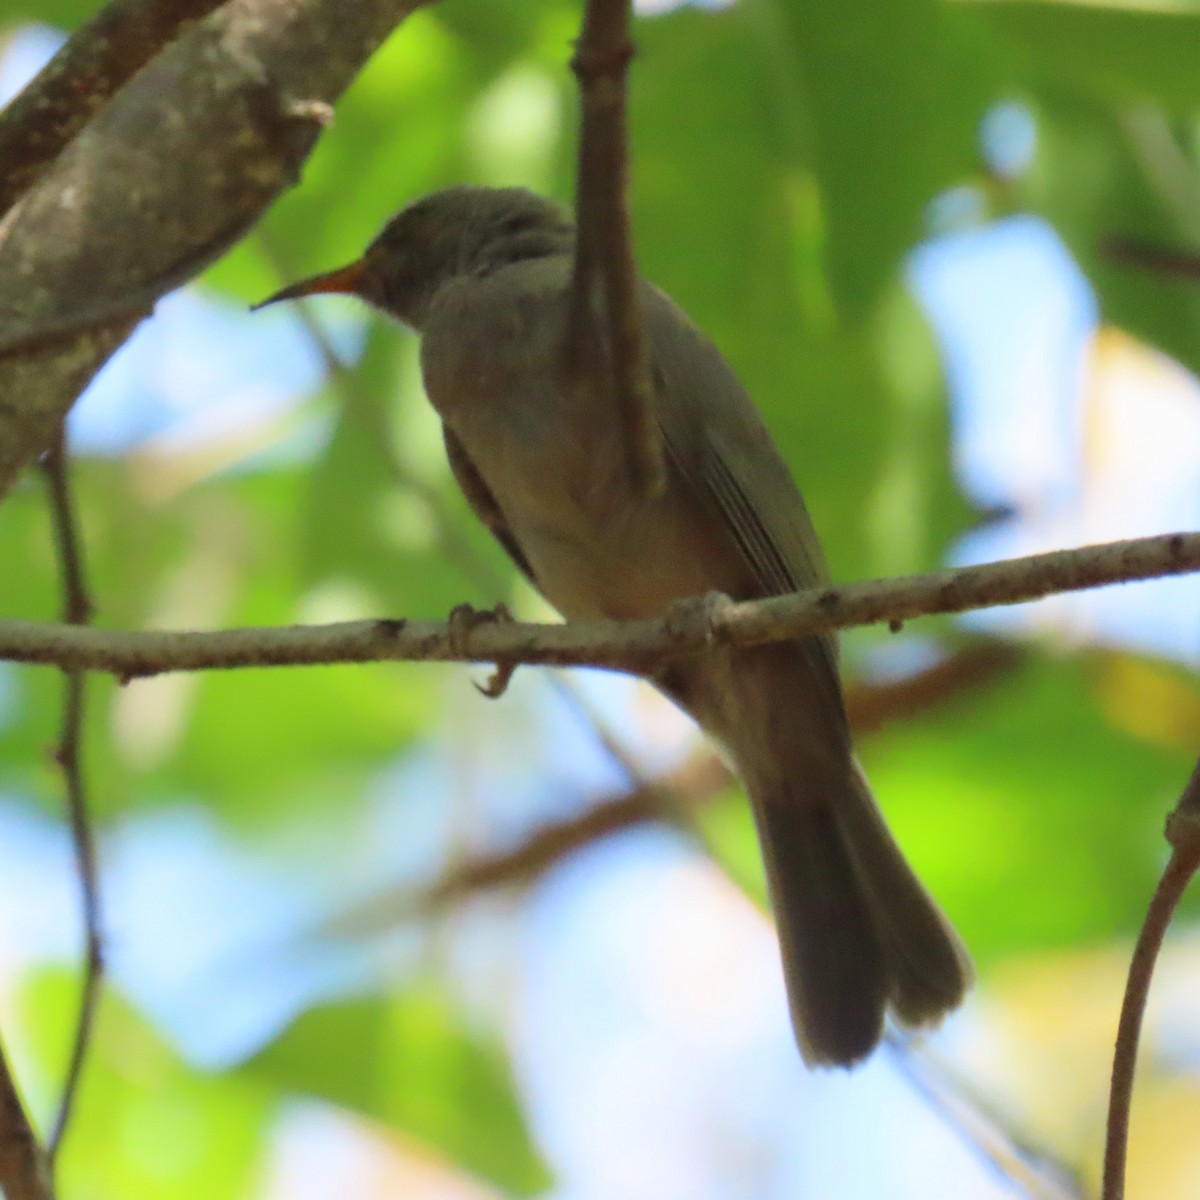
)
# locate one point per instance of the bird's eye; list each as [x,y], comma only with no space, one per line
[514,223]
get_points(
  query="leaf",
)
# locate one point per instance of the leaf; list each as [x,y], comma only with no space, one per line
[1030,792]
[857,410]
[1109,52]
[1089,180]
[412,1062]
[146,1124]
[895,91]
[64,14]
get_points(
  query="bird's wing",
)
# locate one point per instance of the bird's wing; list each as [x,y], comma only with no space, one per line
[482,502]
[718,441]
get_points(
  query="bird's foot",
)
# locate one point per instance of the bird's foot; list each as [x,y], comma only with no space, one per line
[697,618]
[463,619]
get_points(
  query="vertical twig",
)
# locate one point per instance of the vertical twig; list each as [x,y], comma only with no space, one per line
[604,261]
[76,611]
[24,1173]
[1183,833]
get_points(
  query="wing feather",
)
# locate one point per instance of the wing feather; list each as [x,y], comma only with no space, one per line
[483,503]
[720,444]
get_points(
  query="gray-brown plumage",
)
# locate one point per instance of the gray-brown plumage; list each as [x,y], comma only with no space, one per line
[484,276]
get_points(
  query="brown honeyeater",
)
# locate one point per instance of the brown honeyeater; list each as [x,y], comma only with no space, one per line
[484,276]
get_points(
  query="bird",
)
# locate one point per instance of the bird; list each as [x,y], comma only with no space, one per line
[484,276]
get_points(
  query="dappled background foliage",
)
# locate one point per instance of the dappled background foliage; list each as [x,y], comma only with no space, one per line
[794,165]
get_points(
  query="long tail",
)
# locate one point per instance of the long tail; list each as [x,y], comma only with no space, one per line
[859,934]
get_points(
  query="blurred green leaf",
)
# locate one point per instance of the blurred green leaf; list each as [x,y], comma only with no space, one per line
[858,411]
[65,14]
[378,515]
[146,1124]
[1109,52]
[1028,791]
[894,91]
[1095,178]
[413,1063]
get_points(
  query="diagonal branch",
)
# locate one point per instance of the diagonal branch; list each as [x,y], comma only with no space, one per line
[634,646]
[604,260]
[696,782]
[247,91]
[77,610]
[1183,833]
[79,80]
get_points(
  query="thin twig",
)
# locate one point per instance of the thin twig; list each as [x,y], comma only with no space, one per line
[77,82]
[76,611]
[980,1127]
[1151,256]
[696,782]
[24,1173]
[1183,833]
[604,259]
[634,646]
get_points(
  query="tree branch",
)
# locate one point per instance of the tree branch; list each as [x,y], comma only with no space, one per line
[77,609]
[23,1169]
[1183,833]
[1162,260]
[124,208]
[634,646]
[604,259]
[79,80]
[872,706]
[696,782]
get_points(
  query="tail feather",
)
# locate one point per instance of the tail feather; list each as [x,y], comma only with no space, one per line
[834,961]
[859,934]
[931,968]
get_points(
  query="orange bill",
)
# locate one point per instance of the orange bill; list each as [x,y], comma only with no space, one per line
[346,280]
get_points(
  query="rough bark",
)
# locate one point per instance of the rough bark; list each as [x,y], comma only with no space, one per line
[168,175]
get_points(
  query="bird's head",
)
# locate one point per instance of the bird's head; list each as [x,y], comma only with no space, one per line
[456,232]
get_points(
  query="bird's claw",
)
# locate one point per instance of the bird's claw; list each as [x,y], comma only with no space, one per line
[463,619]
[697,617]
[498,681]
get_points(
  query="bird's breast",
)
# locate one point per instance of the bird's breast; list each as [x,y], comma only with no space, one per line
[553,454]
